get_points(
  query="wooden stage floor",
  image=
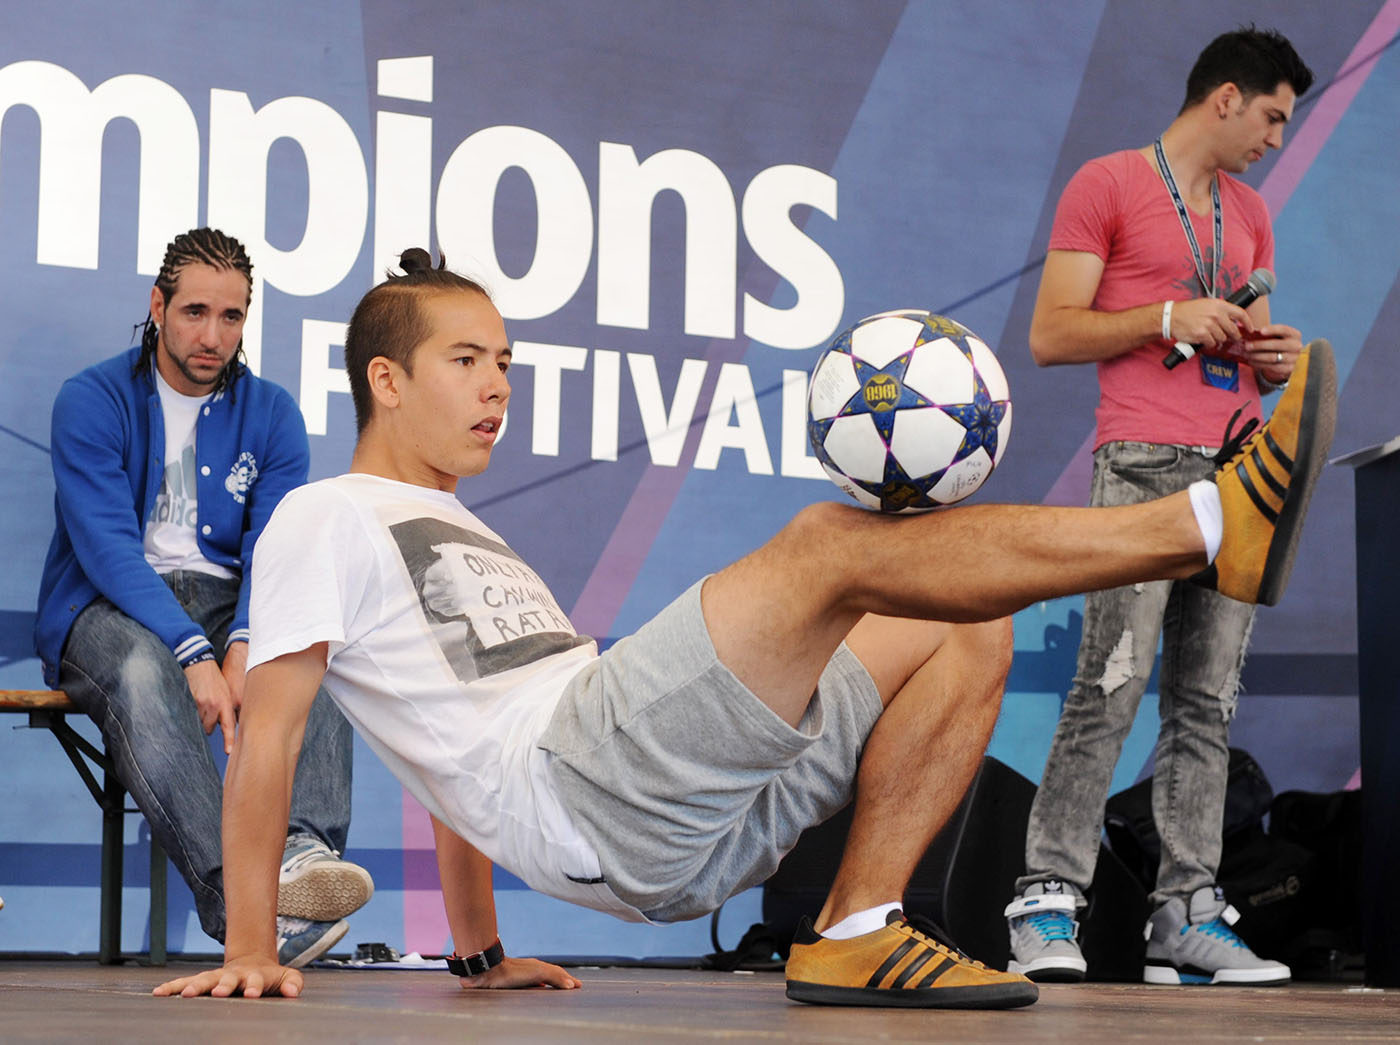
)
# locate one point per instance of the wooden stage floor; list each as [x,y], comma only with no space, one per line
[72,1001]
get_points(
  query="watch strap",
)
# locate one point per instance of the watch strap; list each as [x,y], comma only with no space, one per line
[478,963]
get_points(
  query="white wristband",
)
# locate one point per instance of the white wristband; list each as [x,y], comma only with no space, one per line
[1167,320]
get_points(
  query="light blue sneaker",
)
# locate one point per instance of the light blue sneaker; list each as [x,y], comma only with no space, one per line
[1195,944]
[1044,933]
[300,942]
[317,885]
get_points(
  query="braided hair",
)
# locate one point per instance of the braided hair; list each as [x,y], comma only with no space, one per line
[388,322]
[203,246]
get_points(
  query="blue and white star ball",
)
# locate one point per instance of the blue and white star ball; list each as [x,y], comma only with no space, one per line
[908,410]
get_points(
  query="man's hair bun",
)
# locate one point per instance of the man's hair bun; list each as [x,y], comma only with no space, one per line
[416,259]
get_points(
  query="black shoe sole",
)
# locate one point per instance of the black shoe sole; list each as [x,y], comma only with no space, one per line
[1056,976]
[989,996]
[1319,402]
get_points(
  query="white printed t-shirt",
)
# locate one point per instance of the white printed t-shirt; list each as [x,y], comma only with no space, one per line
[446,652]
[169,541]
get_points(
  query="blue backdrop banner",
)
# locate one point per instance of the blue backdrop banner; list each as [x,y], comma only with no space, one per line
[674,214]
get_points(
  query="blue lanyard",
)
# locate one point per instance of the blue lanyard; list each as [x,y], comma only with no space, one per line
[1185,218]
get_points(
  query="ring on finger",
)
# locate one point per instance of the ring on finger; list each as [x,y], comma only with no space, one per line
[1278,358]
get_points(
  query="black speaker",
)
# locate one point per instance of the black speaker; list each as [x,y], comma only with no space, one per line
[968,876]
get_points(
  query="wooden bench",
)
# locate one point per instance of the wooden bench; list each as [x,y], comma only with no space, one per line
[48,709]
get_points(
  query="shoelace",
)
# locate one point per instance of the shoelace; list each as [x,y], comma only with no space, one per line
[1217,928]
[1234,442]
[1051,925]
[313,851]
[939,936]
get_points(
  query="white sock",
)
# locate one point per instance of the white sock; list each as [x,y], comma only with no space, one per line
[1210,517]
[861,922]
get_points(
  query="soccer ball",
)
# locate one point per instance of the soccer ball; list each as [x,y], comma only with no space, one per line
[908,410]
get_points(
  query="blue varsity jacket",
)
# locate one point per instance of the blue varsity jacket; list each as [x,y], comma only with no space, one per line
[108,440]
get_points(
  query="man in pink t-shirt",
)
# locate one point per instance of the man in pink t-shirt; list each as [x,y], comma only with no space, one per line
[1147,244]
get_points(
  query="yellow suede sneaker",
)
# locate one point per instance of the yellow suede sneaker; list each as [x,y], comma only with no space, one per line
[897,966]
[1267,482]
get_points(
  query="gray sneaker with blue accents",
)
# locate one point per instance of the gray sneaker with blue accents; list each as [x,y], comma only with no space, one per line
[1194,944]
[1044,933]
[300,942]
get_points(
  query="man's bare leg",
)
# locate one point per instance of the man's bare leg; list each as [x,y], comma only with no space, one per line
[777,615]
[942,687]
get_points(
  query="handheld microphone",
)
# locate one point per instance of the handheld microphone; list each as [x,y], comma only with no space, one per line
[1260,282]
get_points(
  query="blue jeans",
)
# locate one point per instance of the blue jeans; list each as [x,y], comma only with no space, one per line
[130,684]
[1204,637]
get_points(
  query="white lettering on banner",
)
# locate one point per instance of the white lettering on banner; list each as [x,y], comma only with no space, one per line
[72,119]
[626,192]
[403,160]
[318,377]
[734,395]
[547,361]
[466,205]
[337,196]
[789,252]
[407,78]
[607,384]
[403,164]
[665,430]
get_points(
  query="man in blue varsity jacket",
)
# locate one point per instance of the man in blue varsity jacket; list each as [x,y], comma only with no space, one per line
[168,460]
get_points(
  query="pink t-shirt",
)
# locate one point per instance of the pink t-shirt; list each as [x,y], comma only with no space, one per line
[1118,208]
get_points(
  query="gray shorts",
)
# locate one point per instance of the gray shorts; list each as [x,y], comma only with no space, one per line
[688,786]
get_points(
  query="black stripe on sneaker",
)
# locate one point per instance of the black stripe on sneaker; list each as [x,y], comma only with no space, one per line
[1268,476]
[1265,509]
[1277,451]
[938,971]
[889,963]
[909,970]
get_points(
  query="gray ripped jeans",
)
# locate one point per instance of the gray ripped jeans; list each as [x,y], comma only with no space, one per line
[1204,636]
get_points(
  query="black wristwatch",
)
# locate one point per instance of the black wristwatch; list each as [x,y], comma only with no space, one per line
[478,963]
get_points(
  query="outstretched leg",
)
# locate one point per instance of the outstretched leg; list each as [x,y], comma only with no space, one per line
[777,615]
